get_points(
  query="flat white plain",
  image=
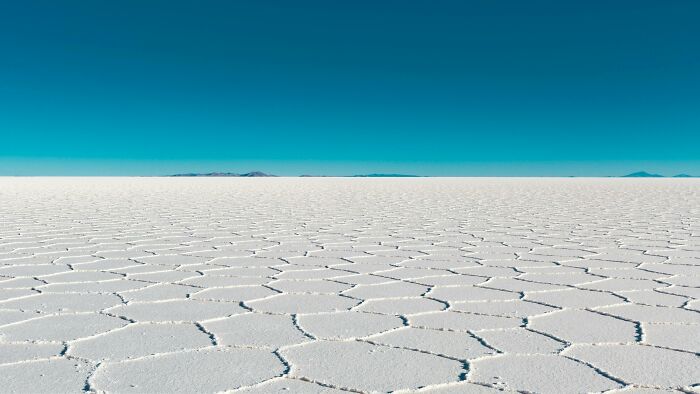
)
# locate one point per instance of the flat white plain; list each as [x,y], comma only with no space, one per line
[324,285]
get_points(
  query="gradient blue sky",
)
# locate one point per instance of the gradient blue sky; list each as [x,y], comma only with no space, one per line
[328,87]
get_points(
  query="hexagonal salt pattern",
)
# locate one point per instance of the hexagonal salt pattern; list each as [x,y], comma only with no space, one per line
[363,285]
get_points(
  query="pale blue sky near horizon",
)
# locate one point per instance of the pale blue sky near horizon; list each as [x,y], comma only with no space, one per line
[118,167]
[453,88]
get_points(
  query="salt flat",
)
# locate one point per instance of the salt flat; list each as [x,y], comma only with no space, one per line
[330,284]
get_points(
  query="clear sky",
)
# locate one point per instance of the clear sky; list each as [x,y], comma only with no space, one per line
[465,87]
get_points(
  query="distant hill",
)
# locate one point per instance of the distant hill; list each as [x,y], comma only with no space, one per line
[225,174]
[385,176]
[683,176]
[642,174]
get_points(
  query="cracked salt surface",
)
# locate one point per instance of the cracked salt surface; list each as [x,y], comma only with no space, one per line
[334,285]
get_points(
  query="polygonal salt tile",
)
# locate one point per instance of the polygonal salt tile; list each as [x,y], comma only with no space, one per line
[518,285]
[387,290]
[164,276]
[158,292]
[575,298]
[520,263]
[106,287]
[9,316]
[64,327]
[177,310]
[448,320]
[75,260]
[643,390]
[172,260]
[652,314]
[256,330]
[299,268]
[672,269]
[138,340]
[404,273]
[675,253]
[247,262]
[277,254]
[454,344]
[562,252]
[326,362]
[512,308]
[571,278]
[9,294]
[303,303]
[30,259]
[689,281]
[626,273]
[520,340]
[439,263]
[239,293]
[363,268]
[470,293]
[363,279]
[311,274]
[105,265]
[643,365]
[316,261]
[459,388]
[153,246]
[119,254]
[20,283]
[555,374]
[675,336]
[309,286]
[486,257]
[401,306]
[349,254]
[224,281]
[489,272]
[15,352]
[187,372]
[404,253]
[653,297]
[623,285]
[143,269]
[238,272]
[33,270]
[693,305]
[600,264]
[63,302]
[633,252]
[580,326]
[56,375]
[381,259]
[549,271]
[682,291]
[347,324]
[450,280]
[285,386]
[80,276]
[221,253]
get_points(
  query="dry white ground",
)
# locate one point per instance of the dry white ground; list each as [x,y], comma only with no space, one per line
[325,285]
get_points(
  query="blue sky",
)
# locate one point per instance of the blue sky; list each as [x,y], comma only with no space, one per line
[323,87]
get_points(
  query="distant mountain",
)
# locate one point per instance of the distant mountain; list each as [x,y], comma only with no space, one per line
[256,174]
[642,174]
[385,176]
[683,176]
[225,174]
